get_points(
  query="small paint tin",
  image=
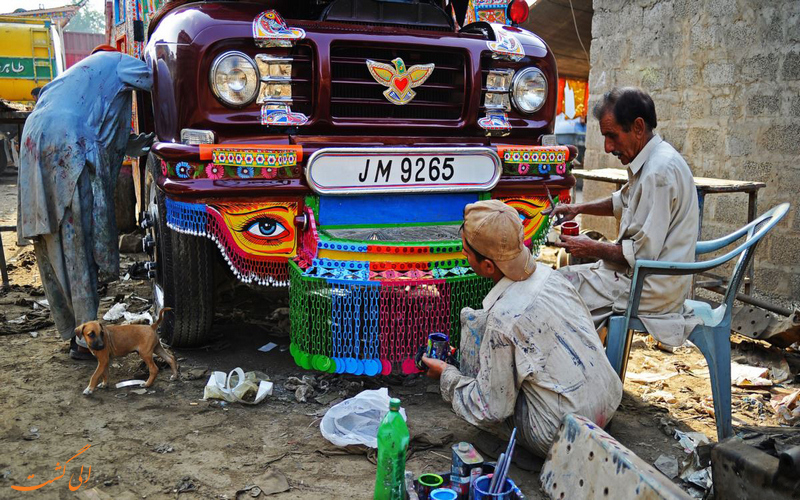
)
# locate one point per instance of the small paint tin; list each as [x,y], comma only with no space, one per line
[465,458]
[438,346]
[570,228]
[443,494]
[427,483]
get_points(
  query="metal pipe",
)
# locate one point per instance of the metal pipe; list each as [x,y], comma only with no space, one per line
[749,299]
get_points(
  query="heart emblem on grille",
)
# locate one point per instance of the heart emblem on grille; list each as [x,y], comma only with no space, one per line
[399,80]
[401,83]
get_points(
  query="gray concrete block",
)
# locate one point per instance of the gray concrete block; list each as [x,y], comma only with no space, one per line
[686,9]
[783,138]
[763,105]
[720,8]
[763,67]
[724,106]
[718,73]
[784,248]
[794,104]
[653,78]
[675,136]
[739,144]
[703,139]
[791,66]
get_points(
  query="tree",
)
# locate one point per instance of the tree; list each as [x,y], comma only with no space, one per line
[87,21]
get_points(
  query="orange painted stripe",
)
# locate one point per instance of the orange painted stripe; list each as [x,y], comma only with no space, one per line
[206,150]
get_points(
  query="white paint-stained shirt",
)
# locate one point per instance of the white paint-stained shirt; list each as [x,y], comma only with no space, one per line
[658,220]
[533,339]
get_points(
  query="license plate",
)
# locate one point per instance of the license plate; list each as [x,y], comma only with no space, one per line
[402,170]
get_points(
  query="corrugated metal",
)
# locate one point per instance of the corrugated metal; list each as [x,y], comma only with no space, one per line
[78,46]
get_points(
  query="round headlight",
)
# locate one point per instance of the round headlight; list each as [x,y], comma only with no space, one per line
[529,90]
[234,79]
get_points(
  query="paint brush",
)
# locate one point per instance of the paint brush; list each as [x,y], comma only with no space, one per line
[496,470]
[506,466]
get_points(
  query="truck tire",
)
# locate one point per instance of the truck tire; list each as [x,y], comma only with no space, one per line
[184,274]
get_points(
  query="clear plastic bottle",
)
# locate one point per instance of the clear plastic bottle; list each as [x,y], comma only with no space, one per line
[392,445]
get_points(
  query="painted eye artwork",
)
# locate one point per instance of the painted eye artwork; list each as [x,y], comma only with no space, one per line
[266,228]
[256,230]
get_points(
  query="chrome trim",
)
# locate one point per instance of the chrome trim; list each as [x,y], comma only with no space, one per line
[517,77]
[458,151]
[276,79]
[276,100]
[214,66]
[269,58]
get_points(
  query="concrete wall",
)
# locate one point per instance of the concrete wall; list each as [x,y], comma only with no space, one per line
[725,77]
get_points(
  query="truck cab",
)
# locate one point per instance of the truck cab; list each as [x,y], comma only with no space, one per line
[331,146]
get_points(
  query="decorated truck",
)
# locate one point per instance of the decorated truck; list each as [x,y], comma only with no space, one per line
[331,146]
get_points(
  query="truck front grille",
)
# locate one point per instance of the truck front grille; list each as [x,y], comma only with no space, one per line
[356,95]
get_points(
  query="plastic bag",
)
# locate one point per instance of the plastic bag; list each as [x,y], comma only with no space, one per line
[249,388]
[356,420]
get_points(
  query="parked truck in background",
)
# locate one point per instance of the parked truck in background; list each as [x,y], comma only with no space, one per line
[31,55]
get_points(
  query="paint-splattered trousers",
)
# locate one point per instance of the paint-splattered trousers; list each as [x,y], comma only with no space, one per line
[66,264]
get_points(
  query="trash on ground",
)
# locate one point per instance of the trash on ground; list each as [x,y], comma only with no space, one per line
[356,420]
[130,383]
[668,466]
[787,408]
[304,388]
[749,376]
[164,448]
[649,377]
[690,440]
[268,347]
[140,392]
[269,483]
[656,396]
[248,388]
[120,310]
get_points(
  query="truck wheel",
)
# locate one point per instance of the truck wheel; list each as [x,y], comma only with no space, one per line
[184,273]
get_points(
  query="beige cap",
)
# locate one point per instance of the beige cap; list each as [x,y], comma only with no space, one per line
[494,230]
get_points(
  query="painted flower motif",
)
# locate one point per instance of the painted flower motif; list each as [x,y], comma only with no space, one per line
[523,168]
[164,168]
[544,168]
[245,172]
[184,170]
[561,168]
[214,171]
[270,173]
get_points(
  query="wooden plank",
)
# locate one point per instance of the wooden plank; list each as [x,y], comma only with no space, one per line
[706,184]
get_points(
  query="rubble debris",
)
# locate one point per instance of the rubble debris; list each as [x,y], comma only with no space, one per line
[749,376]
[164,448]
[668,466]
[787,408]
[120,310]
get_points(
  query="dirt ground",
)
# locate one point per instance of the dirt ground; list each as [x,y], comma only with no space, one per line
[168,443]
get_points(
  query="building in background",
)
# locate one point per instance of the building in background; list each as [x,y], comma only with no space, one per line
[78,46]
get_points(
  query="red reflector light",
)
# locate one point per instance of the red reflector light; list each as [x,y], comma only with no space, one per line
[518,11]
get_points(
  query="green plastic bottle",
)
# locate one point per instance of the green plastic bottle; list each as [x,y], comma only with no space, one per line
[392,445]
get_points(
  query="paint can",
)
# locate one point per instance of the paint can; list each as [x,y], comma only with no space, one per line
[480,489]
[438,346]
[465,459]
[570,228]
[443,494]
[427,483]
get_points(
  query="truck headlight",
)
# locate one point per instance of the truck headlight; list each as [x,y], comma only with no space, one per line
[529,90]
[234,79]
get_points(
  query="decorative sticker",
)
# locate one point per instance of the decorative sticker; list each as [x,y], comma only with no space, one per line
[270,30]
[506,46]
[495,122]
[281,116]
[491,15]
[399,80]
[533,160]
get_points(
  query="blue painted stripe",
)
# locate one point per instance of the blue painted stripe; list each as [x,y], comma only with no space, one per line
[393,209]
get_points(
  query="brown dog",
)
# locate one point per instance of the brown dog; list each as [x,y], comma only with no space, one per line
[118,340]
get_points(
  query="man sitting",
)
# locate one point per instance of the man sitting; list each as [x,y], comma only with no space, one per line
[531,355]
[658,220]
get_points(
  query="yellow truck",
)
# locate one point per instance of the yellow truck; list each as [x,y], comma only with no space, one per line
[31,55]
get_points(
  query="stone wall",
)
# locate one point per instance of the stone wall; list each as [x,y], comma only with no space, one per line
[725,78]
